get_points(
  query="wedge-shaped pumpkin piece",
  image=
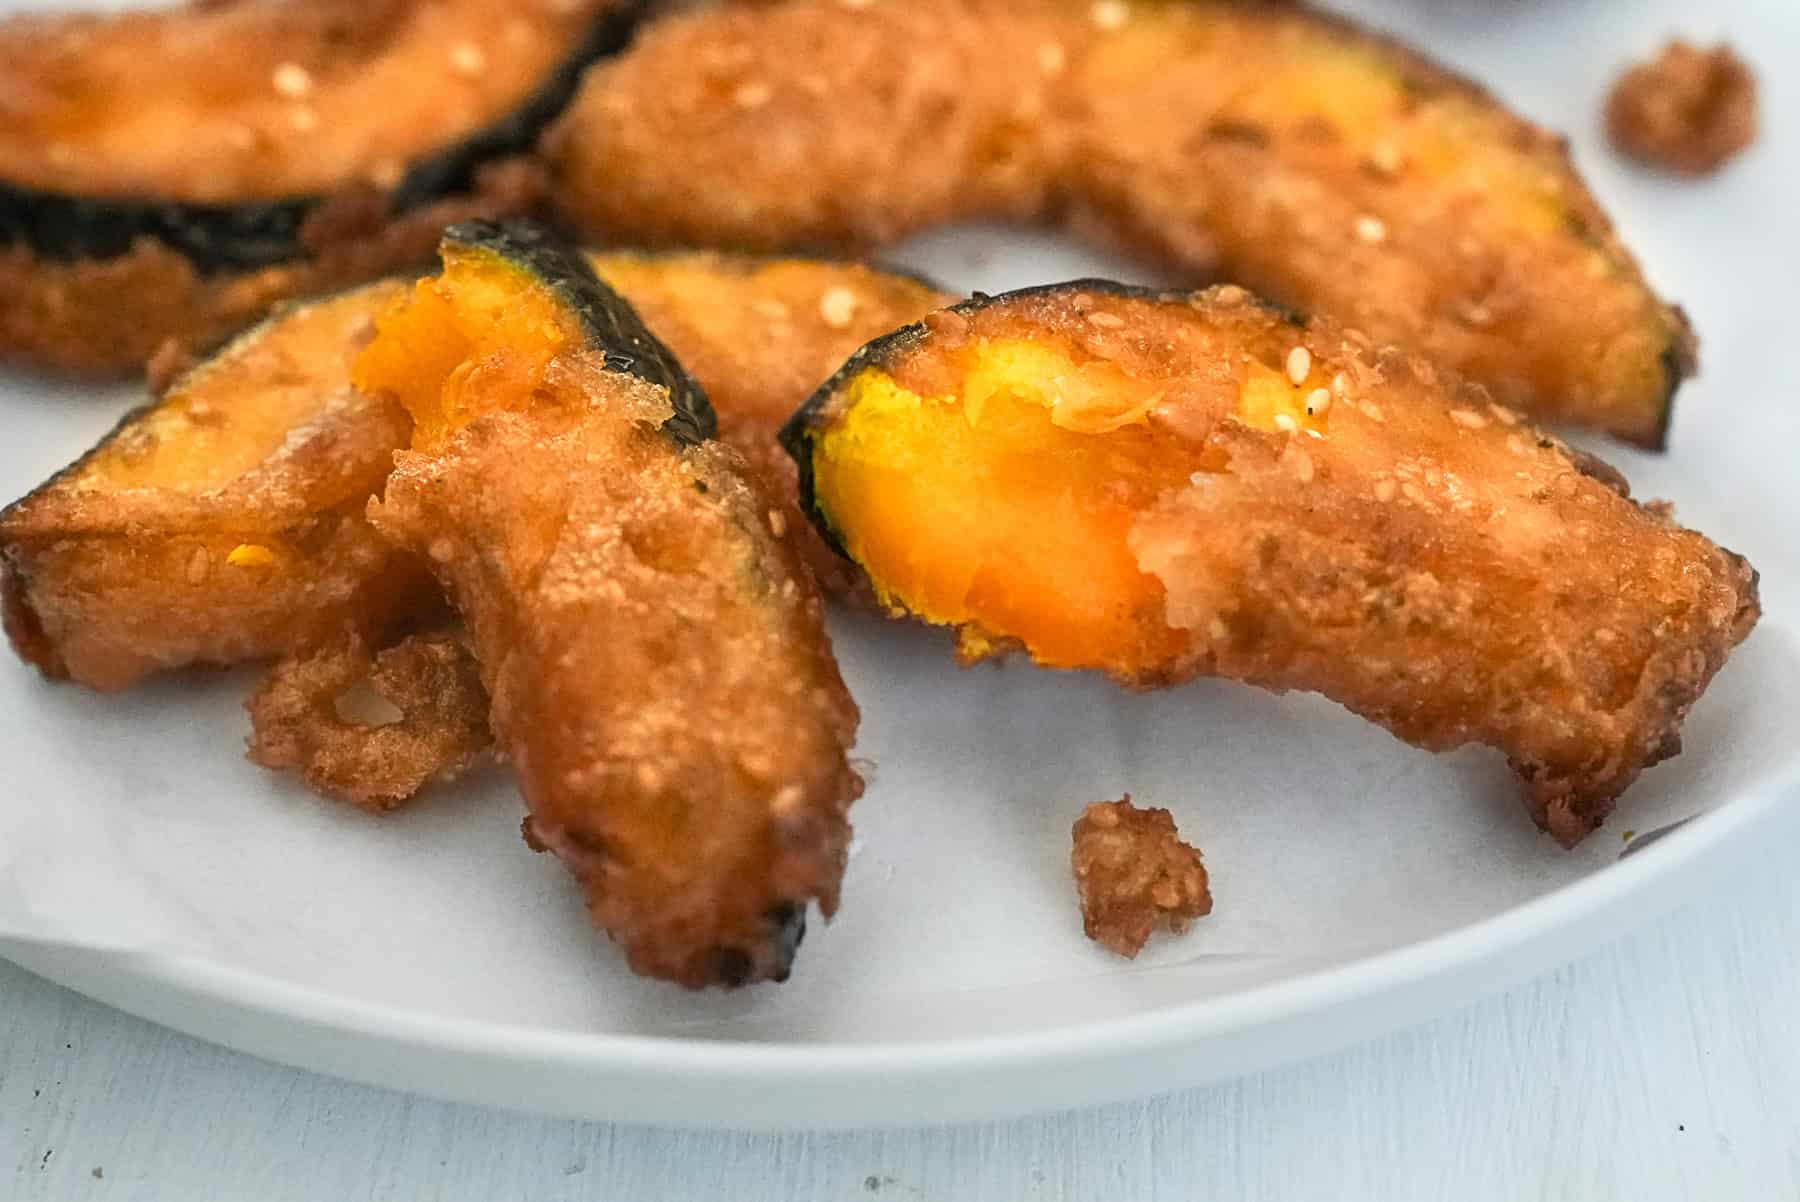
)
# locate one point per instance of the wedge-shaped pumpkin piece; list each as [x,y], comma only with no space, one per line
[224,522]
[172,173]
[1164,486]
[1262,144]
[655,654]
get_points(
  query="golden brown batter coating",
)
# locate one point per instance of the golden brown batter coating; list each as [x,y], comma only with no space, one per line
[1164,486]
[435,730]
[800,124]
[659,674]
[759,335]
[102,607]
[170,174]
[1259,143]
[224,521]
[1133,874]
[656,657]
[1689,110]
[224,101]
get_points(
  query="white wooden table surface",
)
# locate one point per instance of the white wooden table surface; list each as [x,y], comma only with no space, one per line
[1666,1066]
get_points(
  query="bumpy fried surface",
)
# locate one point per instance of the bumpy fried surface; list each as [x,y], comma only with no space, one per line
[1689,110]
[119,566]
[366,110]
[815,123]
[759,335]
[438,728]
[656,657]
[1165,486]
[659,675]
[1133,874]
[224,521]
[225,101]
[1261,143]
[106,317]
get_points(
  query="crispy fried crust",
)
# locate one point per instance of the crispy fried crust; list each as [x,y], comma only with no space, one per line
[107,580]
[659,673]
[1319,515]
[769,126]
[236,103]
[1133,874]
[1689,110]
[221,523]
[656,656]
[106,317]
[438,729]
[759,335]
[171,174]
[1262,143]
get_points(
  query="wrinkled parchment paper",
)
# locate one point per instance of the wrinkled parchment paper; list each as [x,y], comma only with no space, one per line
[134,822]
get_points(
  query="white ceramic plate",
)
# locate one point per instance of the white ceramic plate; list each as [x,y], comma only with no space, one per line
[1361,884]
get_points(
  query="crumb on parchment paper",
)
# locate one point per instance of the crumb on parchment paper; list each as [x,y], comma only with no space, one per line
[1133,873]
[1687,110]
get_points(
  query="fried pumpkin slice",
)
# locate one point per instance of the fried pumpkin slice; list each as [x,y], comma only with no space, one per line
[760,334]
[656,657]
[171,173]
[1264,144]
[225,521]
[1165,485]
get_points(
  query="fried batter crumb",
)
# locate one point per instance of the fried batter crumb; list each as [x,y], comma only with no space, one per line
[173,360]
[1134,873]
[1688,110]
[428,684]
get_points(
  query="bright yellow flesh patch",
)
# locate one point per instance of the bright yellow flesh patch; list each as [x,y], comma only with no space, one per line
[469,341]
[251,555]
[1269,400]
[1087,398]
[1006,510]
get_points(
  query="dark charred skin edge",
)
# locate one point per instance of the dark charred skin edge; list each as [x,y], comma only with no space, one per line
[817,411]
[1680,360]
[607,319]
[223,238]
[733,967]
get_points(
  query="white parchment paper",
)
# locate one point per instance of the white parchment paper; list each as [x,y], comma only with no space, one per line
[135,823]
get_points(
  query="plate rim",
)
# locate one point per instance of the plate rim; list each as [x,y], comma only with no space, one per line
[691,1081]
